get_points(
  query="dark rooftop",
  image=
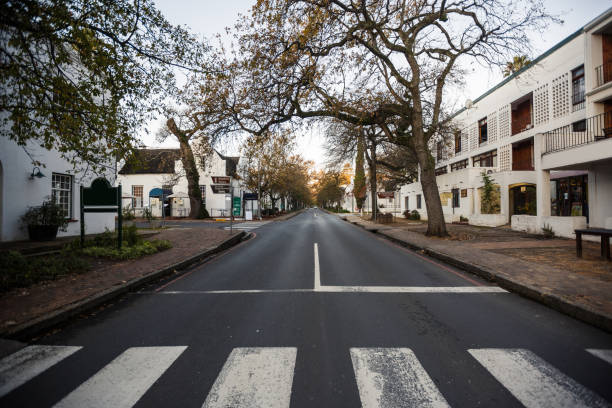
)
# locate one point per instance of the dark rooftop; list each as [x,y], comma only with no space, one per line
[151,161]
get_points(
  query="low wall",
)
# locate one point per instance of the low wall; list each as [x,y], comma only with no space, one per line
[450,218]
[488,220]
[562,226]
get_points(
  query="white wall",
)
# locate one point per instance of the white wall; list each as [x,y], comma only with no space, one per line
[20,192]
[600,194]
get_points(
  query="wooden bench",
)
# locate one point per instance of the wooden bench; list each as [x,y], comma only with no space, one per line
[605,235]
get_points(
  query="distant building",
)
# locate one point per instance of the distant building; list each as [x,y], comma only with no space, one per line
[544,135]
[156,175]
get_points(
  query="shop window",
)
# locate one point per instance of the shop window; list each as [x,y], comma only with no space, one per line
[137,196]
[419,201]
[483,135]
[488,159]
[462,164]
[521,114]
[441,170]
[578,85]
[457,142]
[61,192]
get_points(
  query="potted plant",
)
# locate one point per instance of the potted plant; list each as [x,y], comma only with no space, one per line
[44,221]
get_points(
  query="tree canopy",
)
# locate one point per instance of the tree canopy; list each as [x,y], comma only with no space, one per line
[84,76]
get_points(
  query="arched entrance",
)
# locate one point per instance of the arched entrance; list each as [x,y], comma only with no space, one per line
[523,199]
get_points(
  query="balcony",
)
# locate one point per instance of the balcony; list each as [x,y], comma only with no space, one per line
[589,130]
[603,74]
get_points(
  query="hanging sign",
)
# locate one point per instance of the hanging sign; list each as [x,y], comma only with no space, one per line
[220,188]
[386,194]
[221,179]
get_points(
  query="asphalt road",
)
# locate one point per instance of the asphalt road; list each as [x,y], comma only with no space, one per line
[315,312]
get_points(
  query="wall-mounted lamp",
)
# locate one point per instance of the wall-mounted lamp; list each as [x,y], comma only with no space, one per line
[36,173]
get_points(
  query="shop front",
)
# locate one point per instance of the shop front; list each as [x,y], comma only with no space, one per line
[569,194]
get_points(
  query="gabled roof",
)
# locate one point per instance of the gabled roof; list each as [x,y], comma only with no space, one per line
[151,161]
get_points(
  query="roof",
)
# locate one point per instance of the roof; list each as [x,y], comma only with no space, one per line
[151,161]
[554,48]
[231,163]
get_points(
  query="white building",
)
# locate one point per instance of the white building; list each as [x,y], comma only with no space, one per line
[24,185]
[543,135]
[156,171]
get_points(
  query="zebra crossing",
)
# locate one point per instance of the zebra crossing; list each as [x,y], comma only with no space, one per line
[247,226]
[263,377]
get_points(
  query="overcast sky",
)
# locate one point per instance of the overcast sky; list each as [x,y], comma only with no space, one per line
[208,17]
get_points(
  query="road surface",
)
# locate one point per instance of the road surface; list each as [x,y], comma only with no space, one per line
[315,312]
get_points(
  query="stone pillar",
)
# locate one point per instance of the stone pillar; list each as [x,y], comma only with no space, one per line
[542,182]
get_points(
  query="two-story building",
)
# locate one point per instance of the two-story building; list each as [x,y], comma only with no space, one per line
[543,135]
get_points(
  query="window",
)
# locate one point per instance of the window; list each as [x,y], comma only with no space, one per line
[441,170]
[483,136]
[488,159]
[579,126]
[439,148]
[418,201]
[407,202]
[459,165]
[578,85]
[137,193]
[457,142]
[61,192]
[203,192]
[455,197]
[521,113]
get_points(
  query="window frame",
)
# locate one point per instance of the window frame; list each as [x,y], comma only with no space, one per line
[135,197]
[70,190]
[418,203]
[455,202]
[459,165]
[441,170]
[492,154]
[439,151]
[578,86]
[483,133]
[458,142]
[203,194]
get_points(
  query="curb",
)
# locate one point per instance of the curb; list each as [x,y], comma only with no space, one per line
[56,317]
[553,301]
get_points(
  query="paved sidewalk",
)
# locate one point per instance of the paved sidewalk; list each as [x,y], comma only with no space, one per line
[21,307]
[585,296]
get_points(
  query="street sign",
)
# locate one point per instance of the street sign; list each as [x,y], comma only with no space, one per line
[220,188]
[236,207]
[221,179]
[386,194]
[249,196]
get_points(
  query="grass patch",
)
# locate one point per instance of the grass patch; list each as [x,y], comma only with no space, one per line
[128,252]
[17,271]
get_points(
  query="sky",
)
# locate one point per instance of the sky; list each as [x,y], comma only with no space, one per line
[209,17]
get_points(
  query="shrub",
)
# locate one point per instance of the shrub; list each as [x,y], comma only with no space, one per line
[463,219]
[127,213]
[130,235]
[406,214]
[147,214]
[548,232]
[414,215]
[129,252]
[17,270]
[49,213]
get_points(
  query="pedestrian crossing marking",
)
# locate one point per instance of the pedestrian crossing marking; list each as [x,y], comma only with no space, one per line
[393,377]
[254,377]
[25,364]
[605,355]
[247,226]
[263,377]
[533,381]
[124,380]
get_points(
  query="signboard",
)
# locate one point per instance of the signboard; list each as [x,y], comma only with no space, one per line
[220,188]
[464,193]
[101,197]
[221,179]
[248,215]
[386,194]
[236,207]
[249,196]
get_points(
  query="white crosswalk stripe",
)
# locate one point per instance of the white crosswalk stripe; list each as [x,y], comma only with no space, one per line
[124,380]
[533,381]
[605,355]
[254,377]
[247,226]
[27,363]
[393,377]
[263,377]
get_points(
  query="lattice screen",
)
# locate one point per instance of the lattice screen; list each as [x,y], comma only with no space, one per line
[473,137]
[503,115]
[464,141]
[492,127]
[540,102]
[505,155]
[560,96]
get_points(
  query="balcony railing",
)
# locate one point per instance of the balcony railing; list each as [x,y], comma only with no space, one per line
[603,74]
[579,133]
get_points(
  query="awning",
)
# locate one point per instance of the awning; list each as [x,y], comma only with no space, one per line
[157,192]
[179,194]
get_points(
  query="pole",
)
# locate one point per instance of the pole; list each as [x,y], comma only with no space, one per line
[231,207]
[120,217]
[82,218]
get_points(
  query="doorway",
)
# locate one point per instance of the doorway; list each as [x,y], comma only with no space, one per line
[523,199]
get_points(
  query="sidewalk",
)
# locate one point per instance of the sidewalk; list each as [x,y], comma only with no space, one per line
[24,312]
[547,271]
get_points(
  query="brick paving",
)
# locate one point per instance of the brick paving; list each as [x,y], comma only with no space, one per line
[22,305]
[544,268]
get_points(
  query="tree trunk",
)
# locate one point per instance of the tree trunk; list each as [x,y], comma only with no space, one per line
[435,216]
[191,170]
[372,165]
